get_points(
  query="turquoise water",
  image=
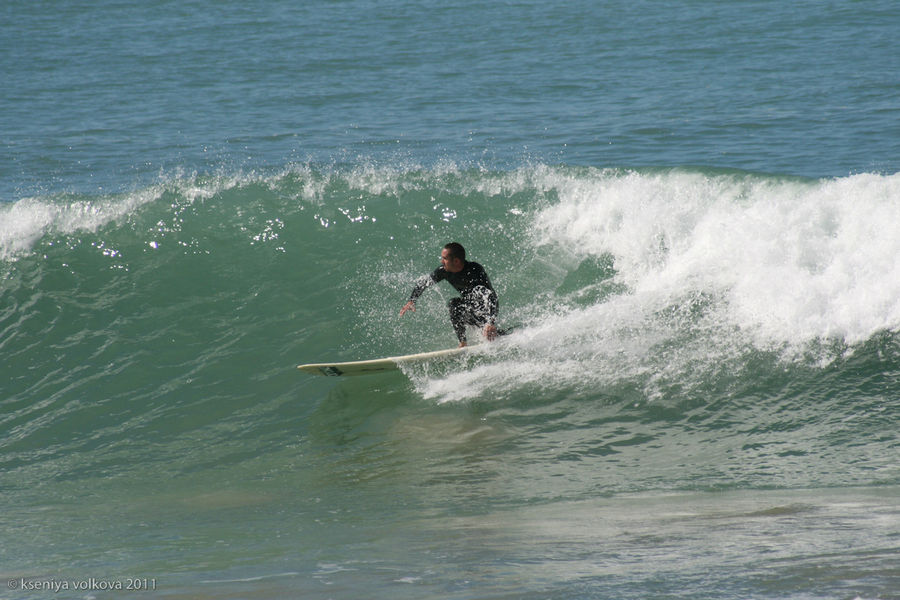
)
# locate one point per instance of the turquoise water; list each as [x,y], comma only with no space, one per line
[690,214]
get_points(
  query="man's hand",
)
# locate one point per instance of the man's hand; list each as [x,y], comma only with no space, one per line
[408,306]
[490,332]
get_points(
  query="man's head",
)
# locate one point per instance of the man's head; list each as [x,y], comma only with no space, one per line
[453,257]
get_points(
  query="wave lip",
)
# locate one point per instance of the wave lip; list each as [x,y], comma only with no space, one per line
[24,223]
[792,261]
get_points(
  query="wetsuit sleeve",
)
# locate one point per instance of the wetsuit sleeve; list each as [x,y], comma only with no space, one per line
[426,281]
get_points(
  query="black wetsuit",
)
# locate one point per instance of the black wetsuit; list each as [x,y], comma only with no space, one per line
[477,302]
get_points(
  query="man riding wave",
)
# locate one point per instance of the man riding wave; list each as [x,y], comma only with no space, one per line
[477,302]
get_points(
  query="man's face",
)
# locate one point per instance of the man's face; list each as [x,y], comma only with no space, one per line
[451,264]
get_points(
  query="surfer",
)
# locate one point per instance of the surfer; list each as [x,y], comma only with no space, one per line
[477,302]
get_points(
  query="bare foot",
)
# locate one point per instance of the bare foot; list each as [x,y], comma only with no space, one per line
[490,332]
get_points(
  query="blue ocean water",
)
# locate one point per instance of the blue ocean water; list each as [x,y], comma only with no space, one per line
[690,211]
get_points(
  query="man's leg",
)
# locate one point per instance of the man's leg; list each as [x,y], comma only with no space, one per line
[458,318]
[478,309]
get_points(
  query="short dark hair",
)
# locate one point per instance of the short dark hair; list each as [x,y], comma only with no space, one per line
[455,250]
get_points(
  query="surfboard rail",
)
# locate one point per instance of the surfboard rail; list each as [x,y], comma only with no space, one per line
[376,365]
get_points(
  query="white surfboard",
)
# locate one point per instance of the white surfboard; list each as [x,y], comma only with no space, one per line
[377,365]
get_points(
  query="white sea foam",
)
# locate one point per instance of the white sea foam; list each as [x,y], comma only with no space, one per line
[24,222]
[792,261]
[711,267]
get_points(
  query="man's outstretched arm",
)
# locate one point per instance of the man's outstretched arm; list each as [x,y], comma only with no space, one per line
[421,283]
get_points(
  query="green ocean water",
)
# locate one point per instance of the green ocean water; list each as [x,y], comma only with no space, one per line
[700,391]
[689,211]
